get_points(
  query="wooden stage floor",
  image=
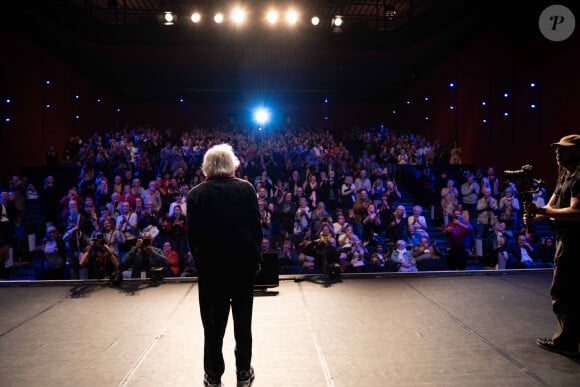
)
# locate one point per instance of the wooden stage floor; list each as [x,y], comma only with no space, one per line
[401,330]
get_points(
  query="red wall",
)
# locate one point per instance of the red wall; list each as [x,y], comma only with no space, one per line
[493,63]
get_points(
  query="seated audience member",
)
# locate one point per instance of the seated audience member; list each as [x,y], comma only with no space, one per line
[178,226]
[354,258]
[523,256]
[53,250]
[346,240]
[360,207]
[126,196]
[144,257]
[320,216]
[378,260]
[338,226]
[302,217]
[396,229]
[427,256]
[546,251]
[190,268]
[152,194]
[114,206]
[413,238]
[265,218]
[501,240]
[401,258]
[127,224]
[508,209]
[286,210]
[288,258]
[113,237]
[371,225]
[347,193]
[418,222]
[174,269]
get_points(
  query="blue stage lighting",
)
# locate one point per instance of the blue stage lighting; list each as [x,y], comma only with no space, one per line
[262,116]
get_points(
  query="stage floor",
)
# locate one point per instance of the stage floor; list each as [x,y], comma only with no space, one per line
[464,330]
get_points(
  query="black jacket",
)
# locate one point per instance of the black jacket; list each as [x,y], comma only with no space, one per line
[224,229]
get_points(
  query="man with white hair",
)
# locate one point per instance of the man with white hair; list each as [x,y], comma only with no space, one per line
[225,238]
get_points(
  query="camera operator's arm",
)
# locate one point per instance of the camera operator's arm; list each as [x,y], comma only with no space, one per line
[568,214]
[157,258]
[85,255]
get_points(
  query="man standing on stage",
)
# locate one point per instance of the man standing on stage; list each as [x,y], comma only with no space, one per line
[564,209]
[225,237]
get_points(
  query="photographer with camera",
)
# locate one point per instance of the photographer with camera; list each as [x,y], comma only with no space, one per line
[456,231]
[145,257]
[99,259]
[564,209]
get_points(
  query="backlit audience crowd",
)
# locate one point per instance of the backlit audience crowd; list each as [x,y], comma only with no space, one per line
[364,202]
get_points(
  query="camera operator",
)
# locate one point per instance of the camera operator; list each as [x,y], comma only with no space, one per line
[99,259]
[564,208]
[144,257]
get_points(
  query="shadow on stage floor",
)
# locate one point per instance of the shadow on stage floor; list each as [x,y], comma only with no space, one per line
[397,330]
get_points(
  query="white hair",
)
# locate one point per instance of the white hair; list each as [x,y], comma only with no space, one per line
[220,160]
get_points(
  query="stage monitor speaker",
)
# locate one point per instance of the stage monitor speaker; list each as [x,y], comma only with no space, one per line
[268,276]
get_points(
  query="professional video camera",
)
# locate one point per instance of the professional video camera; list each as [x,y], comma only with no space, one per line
[524,178]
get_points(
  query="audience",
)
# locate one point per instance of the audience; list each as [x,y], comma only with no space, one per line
[303,179]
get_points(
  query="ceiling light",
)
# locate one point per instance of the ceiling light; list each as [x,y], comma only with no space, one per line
[272,17]
[291,17]
[238,16]
[168,18]
[196,17]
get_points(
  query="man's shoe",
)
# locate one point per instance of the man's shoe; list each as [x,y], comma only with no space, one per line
[548,344]
[246,377]
[208,381]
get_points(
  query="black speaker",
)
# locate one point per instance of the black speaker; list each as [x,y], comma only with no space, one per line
[268,276]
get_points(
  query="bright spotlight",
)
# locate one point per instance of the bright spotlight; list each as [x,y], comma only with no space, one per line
[196,17]
[168,18]
[315,20]
[262,116]
[338,21]
[238,15]
[272,16]
[218,18]
[291,17]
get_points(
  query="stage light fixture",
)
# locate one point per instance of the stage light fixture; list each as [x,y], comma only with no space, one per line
[168,18]
[196,17]
[291,17]
[337,21]
[262,116]
[272,16]
[315,20]
[238,15]
[218,18]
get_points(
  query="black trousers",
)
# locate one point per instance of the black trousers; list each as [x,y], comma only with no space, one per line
[456,258]
[217,294]
[565,292]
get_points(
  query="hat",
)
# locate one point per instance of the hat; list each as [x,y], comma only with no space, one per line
[569,140]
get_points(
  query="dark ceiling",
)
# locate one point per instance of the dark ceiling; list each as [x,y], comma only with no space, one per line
[381,48]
